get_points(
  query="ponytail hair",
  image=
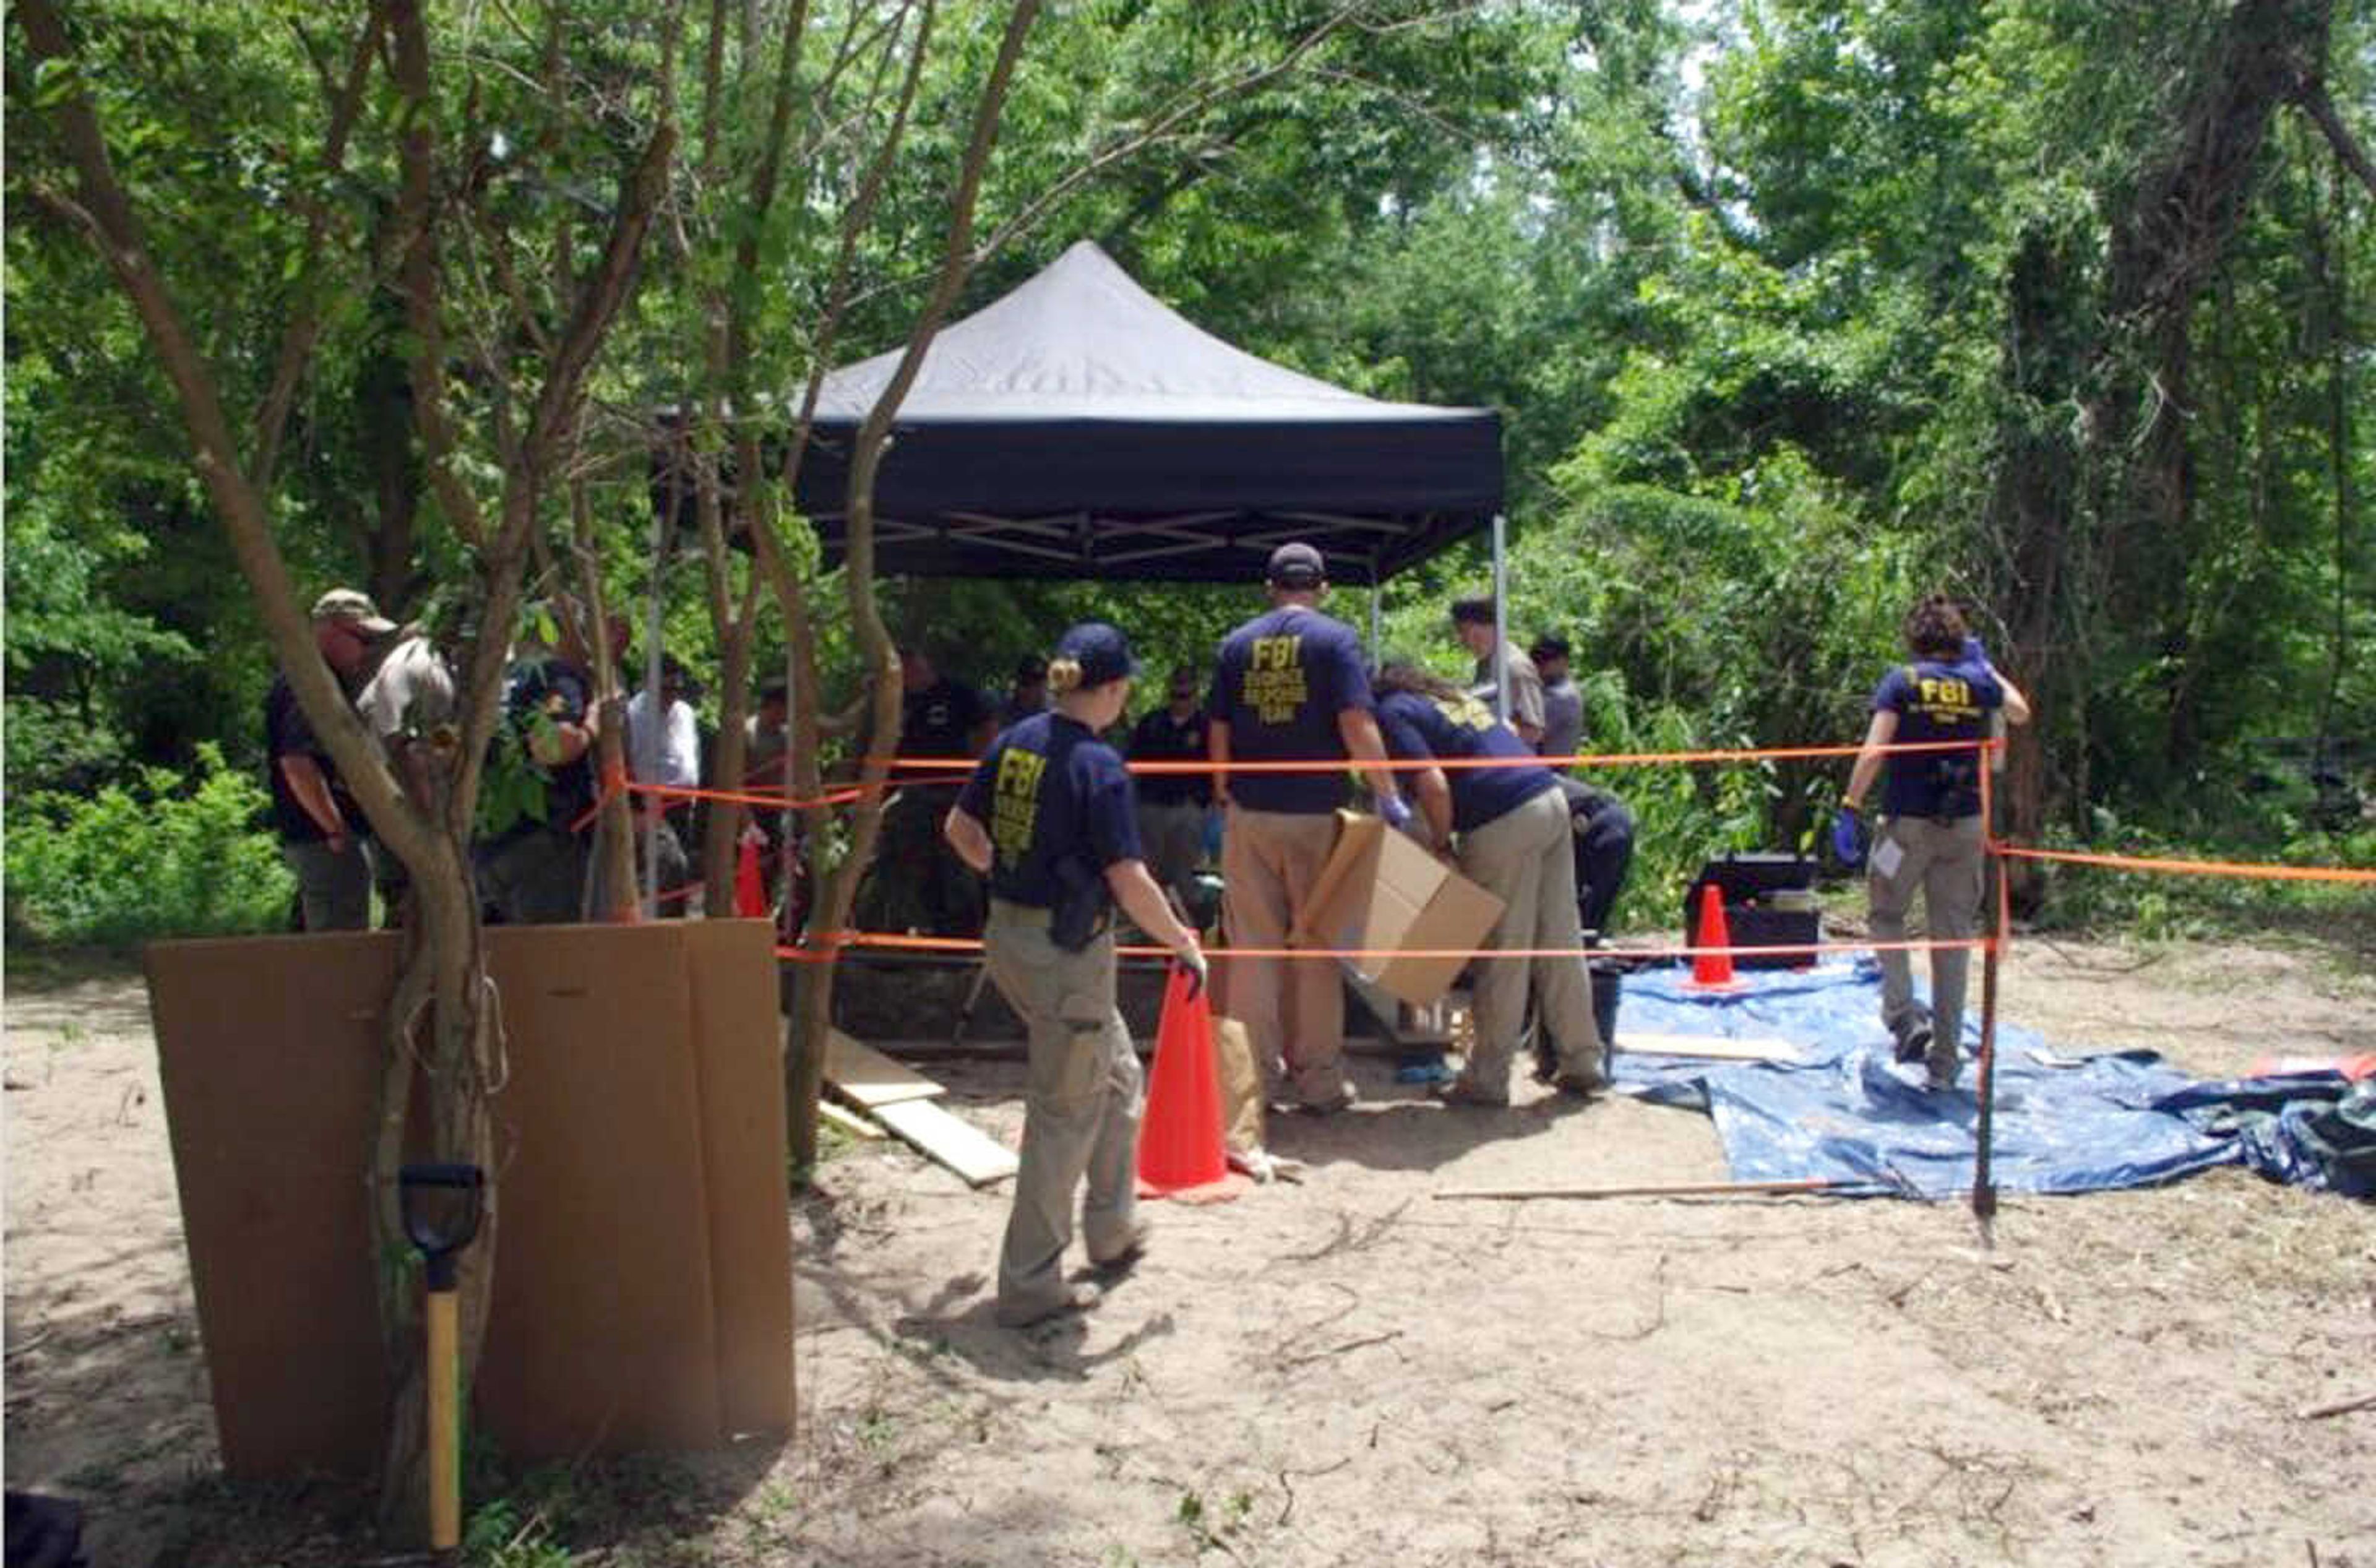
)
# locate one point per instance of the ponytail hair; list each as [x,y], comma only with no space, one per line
[1404,675]
[1063,675]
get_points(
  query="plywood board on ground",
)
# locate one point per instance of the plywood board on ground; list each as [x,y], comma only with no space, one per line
[1720,1048]
[962,1146]
[868,1078]
[850,1122]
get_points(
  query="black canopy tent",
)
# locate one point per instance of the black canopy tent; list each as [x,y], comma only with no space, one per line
[1078,427]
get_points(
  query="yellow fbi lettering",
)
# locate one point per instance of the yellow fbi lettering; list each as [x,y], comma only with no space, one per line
[1945,696]
[1014,802]
[1274,684]
[1466,712]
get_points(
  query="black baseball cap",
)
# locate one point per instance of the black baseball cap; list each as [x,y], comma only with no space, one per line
[1101,652]
[1297,565]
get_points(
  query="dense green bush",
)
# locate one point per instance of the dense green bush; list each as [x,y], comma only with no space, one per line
[167,856]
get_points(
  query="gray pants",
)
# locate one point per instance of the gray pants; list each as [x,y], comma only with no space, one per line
[1524,856]
[1173,838]
[537,878]
[1944,861]
[1081,1107]
[1293,1008]
[333,886]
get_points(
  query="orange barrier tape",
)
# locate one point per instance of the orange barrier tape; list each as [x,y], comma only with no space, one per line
[889,941]
[1601,760]
[764,798]
[959,769]
[2194,868]
[609,788]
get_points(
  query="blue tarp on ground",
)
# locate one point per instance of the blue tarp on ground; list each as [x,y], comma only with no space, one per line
[1846,1111]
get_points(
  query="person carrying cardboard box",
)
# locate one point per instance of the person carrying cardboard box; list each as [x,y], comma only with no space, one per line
[1506,827]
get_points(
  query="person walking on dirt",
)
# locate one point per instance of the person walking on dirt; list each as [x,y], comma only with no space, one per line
[1933,836]
[1049,816]
[1290,685]
[1508,829]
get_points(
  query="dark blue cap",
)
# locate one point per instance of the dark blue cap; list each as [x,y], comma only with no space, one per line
[1297,565]
[1101,652]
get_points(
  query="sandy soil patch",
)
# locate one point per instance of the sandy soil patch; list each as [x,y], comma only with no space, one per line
[1348,1371]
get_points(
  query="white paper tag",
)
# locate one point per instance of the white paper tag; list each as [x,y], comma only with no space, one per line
[1887,859]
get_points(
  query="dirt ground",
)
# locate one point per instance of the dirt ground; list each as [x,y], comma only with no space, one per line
[1346,1371]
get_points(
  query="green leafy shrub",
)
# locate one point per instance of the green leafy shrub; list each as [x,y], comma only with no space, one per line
[167,856]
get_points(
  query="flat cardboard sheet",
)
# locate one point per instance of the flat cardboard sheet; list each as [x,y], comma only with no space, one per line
[1381,890]
[643,1275]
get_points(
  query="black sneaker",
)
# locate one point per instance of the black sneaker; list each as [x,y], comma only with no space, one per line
[1914,1042]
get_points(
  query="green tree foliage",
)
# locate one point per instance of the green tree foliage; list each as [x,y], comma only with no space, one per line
[156,856]
[1792,307]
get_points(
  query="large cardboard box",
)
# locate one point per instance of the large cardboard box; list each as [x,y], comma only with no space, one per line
[643,1270]
[1380,890]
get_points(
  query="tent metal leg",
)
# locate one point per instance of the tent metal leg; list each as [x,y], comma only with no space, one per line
[1501,618]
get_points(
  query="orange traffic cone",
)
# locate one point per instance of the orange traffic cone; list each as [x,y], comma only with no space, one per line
[750,886]
[1712,970]
[1180,1138]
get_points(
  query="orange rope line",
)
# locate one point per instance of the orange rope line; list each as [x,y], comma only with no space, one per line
[2195,868]
[889,941]
[1582,759]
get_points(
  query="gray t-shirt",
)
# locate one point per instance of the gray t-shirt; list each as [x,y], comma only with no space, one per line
[1525,687]
[1563,718]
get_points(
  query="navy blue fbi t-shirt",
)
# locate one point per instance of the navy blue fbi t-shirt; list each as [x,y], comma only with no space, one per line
[1050,792]
[1419,726]
[1280,682]
[1937,700]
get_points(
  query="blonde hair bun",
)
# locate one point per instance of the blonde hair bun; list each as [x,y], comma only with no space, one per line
[1063,675]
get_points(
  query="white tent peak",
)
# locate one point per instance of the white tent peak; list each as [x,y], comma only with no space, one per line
[1082,340]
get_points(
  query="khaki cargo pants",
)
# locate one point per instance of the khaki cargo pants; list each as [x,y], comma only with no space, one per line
[1525,857]
[1944,860]
[1293,1008]
[1081,1107]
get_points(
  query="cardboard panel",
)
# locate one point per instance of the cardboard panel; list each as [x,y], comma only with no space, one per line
[268,1050]
[739,1054]
[1459,916]
[604,1329]
[1381,889]
[644,1262]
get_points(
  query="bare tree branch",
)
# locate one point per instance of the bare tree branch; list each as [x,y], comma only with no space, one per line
[2312,101]
[305,329]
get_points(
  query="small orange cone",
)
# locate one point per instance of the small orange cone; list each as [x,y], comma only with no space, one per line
[1180,1138]
[1712,971]
[750,886]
